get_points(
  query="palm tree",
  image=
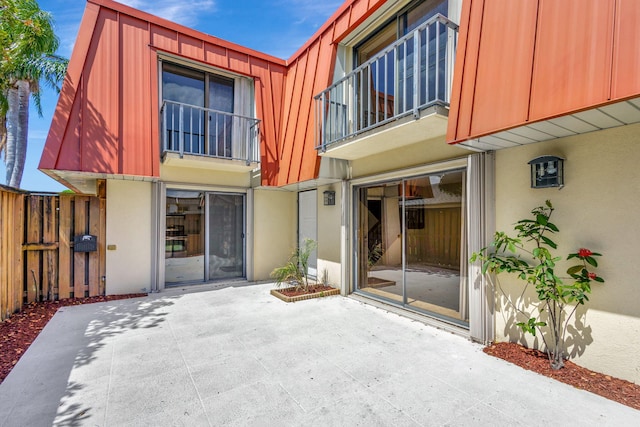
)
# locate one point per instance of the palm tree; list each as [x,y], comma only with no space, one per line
[28,44]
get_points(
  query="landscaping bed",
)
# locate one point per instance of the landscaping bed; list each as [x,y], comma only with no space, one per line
[21,329]
[621,391]
[313,291]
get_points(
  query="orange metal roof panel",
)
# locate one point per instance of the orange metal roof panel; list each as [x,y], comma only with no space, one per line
[573,56]
[107,119]
[216,55]
[465,70]
[309,71]
[68,156]
[190,47]
[100,110]
[304,157]
[291,142]
[63,119]
[504,66]
[163,38]
[586,54]
[626,54]
[136,104]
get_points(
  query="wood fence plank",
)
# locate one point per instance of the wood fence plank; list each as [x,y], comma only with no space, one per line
[102,243]
[5,288]
[34,222]
[49,258]
[94,257]
[64,247]
[17,275]
[80,218]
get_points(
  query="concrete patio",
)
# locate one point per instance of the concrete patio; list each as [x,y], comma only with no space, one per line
[234,355]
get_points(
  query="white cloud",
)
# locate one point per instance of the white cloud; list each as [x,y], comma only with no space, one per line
[185,13]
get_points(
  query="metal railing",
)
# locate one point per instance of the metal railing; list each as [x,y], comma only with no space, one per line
[411,74]
[188,129]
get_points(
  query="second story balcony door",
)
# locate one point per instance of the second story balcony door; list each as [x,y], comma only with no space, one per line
[220,124]
[402,68]
[207,114]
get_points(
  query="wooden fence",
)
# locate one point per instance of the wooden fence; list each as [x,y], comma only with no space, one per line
[40,262]
[11,232]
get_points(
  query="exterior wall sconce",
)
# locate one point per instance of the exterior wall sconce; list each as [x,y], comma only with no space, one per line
[547,171]
[329,198]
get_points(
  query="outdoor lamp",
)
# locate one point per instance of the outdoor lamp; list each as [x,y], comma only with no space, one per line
[547,171]
[329,198]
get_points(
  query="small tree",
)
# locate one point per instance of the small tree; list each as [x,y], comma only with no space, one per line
[295,272]
[557,300]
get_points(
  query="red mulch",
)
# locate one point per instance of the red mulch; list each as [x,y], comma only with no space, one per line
[312,289]
[18,331]
[621,391]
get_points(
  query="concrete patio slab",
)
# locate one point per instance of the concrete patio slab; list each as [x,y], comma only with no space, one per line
[232,354]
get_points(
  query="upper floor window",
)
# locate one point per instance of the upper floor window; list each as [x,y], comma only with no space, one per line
[205,113]
[401,25]
[189,86]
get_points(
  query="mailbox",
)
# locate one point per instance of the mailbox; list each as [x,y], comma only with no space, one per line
[85,243]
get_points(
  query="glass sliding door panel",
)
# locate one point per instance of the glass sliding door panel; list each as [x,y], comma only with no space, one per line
[380,241]
[226,236]
[220,125]
[184,237]
[433,212]
[410,235]
[184,86]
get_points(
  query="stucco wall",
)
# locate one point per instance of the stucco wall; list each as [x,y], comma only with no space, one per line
[207,176]
[429,151]
[275,222]
[329,234]
[597,209]
[128,268]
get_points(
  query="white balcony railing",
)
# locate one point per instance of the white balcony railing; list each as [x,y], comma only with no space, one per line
[411,74]
[188,129]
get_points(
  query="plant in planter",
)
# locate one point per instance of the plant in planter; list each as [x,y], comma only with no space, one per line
[557,300]
[295,271]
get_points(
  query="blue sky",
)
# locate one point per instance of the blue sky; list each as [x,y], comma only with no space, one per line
[277,27]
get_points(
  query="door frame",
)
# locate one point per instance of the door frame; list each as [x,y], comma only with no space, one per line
[480,220]
[159,201]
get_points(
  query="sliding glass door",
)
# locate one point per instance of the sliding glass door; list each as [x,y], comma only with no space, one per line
[410,235]
[226,236]
[204,236]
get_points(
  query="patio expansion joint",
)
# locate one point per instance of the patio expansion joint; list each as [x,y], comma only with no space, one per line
[193,383]
[106,405]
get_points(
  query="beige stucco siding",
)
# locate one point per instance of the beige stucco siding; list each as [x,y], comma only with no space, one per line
[205,176]
[329,235]
[274,229]
[128,266]
[596,209]
[425,152]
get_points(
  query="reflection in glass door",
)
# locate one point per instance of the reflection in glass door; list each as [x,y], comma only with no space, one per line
[226,236]
[184,236]
[410,239]
[204,236]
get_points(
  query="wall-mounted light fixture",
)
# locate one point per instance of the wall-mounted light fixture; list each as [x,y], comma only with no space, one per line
[547,171]
[329,198]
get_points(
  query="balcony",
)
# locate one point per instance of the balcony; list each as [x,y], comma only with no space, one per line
[406,82]
[201,137]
